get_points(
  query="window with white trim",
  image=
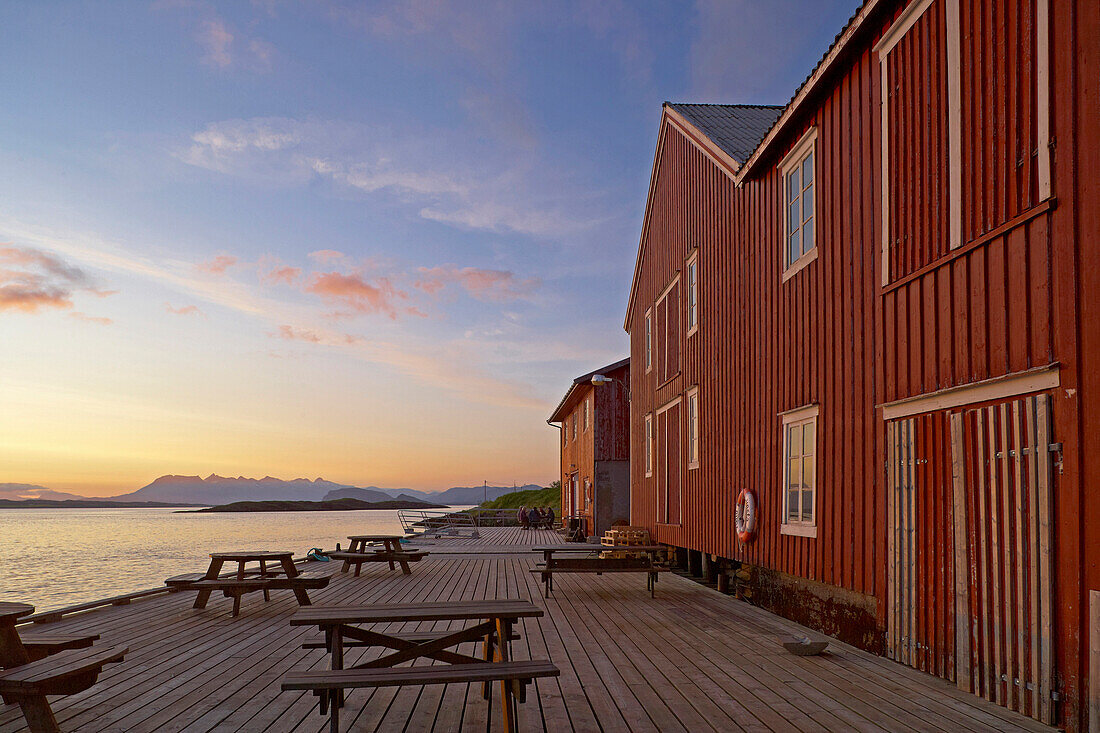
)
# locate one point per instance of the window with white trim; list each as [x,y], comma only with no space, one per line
[798,174]
[649,445]
[800,472]
[693,428]
[586,401]
[565,432]
[669,331]
[648,341]
[574,426]
[693,293]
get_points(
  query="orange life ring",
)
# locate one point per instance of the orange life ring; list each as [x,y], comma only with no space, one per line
[745,516]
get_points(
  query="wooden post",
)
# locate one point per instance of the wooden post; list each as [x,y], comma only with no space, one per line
[39,716]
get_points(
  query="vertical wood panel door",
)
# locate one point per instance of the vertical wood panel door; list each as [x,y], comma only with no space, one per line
[921,572]
[969,550]
[1007,471]
[669,464]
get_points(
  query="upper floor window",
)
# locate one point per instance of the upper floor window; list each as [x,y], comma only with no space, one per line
[693,427]
[574,426]
[668,332]
[799,205]
[648,340]
[693,293]
[649,445]
[587,400]
[564,432]
[800,472]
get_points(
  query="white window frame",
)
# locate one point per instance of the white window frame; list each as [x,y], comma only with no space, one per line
[586,401]
[565,432]
[691,269]
[692,420]
[667,520]
[792,161]
[649,445]
[663,346]
[648,340]
[807,415]
[574,426]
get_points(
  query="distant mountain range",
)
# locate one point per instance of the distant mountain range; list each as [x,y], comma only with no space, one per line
[214,490]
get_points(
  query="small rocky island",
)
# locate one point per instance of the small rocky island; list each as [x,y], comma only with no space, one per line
[336,505]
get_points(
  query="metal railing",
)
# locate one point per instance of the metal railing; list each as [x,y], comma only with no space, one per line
[427,523]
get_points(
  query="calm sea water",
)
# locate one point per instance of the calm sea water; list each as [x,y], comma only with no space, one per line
[60,557]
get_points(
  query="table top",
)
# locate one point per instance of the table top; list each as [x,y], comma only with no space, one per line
[390,612]
[11,611]
[375,537]
[255,555]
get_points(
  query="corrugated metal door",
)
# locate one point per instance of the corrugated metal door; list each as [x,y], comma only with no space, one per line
[970,550]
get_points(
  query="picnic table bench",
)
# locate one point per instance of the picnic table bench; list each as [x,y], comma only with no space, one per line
[55,664]
[284,576]
[599,566]
[495,631]
[377,548]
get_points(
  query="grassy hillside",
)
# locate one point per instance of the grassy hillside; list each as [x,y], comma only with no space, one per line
[550,497]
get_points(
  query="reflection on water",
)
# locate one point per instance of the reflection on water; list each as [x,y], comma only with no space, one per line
[59,557]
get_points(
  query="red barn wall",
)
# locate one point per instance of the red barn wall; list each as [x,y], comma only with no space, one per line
[1019,292]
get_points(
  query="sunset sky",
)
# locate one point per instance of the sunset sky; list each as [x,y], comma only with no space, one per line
[371,242]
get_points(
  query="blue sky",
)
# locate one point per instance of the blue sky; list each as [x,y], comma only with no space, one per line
[366,241]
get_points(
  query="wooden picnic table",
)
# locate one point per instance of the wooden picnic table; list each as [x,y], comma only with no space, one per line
[63,664]
[247,580]
[390,542]
[377,548]
[12,652]
[548,551]
[495,631]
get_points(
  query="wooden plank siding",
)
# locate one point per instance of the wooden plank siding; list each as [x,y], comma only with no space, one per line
[863,326]
[607,438]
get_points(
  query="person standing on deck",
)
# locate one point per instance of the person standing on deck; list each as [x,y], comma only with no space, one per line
[521,516]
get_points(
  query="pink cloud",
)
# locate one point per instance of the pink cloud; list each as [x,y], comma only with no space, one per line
[490,285]
[186,310]
[29,298]
[290,333]
[91,319]
[326,255]
[284,274]
[218,265]
[31,280]
[356,293]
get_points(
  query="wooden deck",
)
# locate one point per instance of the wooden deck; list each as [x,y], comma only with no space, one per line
[691,659]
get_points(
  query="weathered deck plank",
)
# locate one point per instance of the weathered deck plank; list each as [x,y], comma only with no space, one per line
[689,659]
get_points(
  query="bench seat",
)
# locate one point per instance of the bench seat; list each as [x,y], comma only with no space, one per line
[64,673]
[358,558]
[435,674]
[409,636]
[330,684]
[39,646]
[599,566]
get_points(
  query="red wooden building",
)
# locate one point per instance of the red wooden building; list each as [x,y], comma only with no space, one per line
[878,308]
[594,418]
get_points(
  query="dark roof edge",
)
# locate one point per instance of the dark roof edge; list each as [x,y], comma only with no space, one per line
[583,379]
